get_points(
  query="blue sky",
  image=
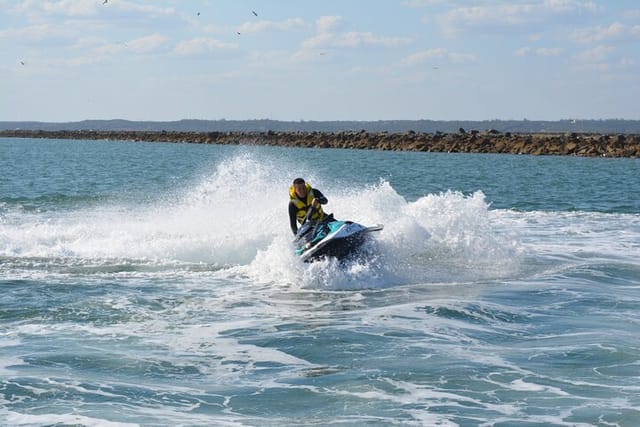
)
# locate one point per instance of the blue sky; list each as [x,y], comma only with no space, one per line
[67,60]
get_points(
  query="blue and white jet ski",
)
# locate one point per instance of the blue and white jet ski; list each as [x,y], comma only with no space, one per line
[330,238]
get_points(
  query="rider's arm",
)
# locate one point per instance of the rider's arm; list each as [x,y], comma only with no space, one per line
[317,194]
[293,221]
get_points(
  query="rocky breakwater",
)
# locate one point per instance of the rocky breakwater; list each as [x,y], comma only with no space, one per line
[572,144]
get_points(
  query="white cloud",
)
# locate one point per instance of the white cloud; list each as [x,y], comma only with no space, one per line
[502,13]
[110,49]
[549,51]
[34,32]
[146,10]
[358,39]
[459,58]
[147,44]
[598,34]
[437,55]
[320,40]
[541,51]
[262,26]
[328,35]
[569,5]
[353,39]
[596,55]
[325,24]
[201,45]
[72,8]
[486,15]
[39,9]
[421,3]
[87,42]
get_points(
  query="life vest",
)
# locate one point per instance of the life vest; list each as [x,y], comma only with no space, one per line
[303,206]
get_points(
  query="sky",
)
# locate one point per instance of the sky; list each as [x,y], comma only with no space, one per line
[294,60]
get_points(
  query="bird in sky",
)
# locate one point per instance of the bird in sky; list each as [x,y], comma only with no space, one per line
[198,13]
[254,12]
[22,62]
[105,1]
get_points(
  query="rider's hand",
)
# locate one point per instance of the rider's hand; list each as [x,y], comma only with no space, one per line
[315,203]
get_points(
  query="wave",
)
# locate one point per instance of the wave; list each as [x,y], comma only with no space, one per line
[235,218]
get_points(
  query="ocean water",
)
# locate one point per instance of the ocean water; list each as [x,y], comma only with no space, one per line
[150,284]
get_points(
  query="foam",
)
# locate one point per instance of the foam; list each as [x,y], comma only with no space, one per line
[17,419]
[522,385]
[235,216]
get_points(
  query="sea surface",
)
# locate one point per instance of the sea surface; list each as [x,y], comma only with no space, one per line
[153,284]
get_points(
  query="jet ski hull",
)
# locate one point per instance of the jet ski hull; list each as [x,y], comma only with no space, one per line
[340,239]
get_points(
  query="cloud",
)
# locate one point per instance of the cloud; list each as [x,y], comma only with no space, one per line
[37,9]
[549,51]
[353,39]
[201,45]
[109,49]
[421,3]
[507,14]
[358,39]
[569,5]
[328,35]
[437,55]
[599,33]
[100,52]
[325,24]
[262,26]
[597,54]
[71,8]
[541,51]
[35,32]
[146,10]
[147,44]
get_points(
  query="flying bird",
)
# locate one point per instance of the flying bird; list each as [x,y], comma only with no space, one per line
[22,62]
[105,1]
[198,13]
[254,12]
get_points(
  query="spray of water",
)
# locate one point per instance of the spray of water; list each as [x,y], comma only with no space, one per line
[236,218]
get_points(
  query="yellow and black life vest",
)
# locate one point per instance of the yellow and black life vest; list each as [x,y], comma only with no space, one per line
[303,206]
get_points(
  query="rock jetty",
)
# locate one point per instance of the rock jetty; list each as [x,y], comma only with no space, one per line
[490,141]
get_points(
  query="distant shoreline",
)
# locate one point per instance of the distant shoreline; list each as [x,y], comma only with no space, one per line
[492,141]
[596,126]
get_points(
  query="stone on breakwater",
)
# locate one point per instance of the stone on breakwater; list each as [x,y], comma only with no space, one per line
[461,142]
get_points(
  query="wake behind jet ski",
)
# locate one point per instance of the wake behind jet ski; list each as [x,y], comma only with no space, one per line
[330,238]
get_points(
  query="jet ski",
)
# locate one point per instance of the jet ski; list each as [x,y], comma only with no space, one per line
[330,238]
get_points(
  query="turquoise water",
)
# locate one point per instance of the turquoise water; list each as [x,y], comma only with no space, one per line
[149,284]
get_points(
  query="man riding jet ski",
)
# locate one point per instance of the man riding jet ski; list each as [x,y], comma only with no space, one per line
[321,235]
